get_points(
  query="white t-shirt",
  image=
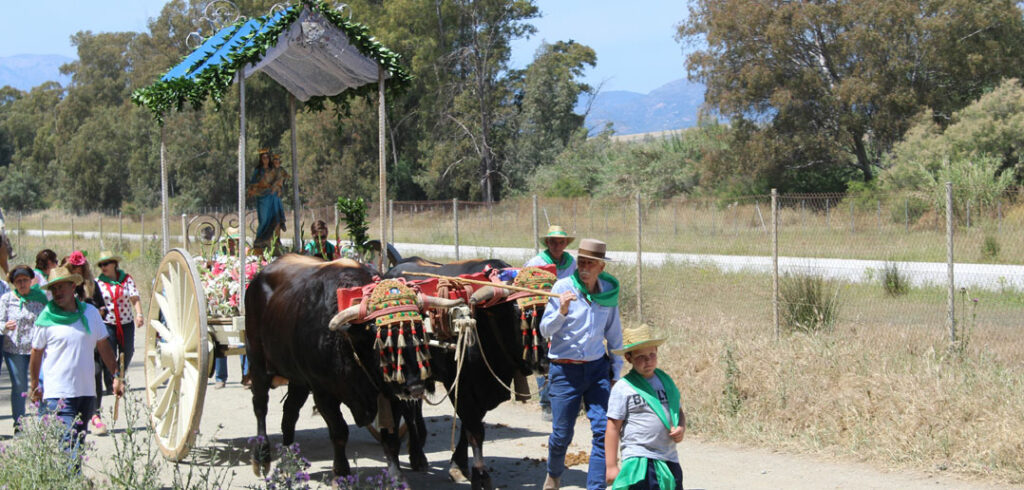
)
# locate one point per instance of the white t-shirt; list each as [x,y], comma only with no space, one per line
[68,367]
[643,433]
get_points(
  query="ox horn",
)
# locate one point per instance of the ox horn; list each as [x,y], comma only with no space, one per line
[344,318]
[435,302]
[482,295]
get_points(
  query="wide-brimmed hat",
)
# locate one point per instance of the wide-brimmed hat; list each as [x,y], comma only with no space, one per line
[62,274]
[555,231]
[264,150]
[638,338]
[108,256]
[231,233]
[593,249]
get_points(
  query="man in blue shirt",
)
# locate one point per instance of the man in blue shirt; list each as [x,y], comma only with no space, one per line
[579,324]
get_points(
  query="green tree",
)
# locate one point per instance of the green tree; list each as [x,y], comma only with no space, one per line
[828,84]
[548,92]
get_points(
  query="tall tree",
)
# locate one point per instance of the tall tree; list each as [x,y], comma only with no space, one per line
[835,83]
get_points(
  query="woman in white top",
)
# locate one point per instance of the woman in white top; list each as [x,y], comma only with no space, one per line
[19,308]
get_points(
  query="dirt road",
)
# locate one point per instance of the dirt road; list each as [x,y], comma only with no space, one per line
[515,449]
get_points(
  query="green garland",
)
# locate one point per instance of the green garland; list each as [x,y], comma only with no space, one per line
[215,82]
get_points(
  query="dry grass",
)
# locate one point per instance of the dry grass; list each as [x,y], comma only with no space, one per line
[893,395]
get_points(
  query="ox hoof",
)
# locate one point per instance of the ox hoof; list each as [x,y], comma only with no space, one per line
[481,480]
[457,475]
[418,462]
[261,469]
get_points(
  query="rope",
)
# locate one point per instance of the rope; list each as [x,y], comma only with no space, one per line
[510,387]
[460,352]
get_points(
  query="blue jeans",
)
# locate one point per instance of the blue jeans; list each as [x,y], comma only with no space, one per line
[128,349]
[220,368]
[74,413]
[17,367]
[651,483]
[543,387]
[569,385]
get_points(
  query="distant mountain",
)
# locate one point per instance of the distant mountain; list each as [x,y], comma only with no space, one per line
[671,106]
[24,71]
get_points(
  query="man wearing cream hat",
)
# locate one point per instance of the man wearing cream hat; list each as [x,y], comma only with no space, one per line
[555,242]
[67,331]
[579,323]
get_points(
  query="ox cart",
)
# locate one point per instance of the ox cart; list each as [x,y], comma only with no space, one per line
[316,53]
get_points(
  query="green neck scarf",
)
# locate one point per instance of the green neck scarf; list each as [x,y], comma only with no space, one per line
[34,294]
[635,469]
[603,298]
[562,265]
[55,315]
[120,278]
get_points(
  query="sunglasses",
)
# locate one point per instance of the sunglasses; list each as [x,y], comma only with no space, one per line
[104,264]
[320,237]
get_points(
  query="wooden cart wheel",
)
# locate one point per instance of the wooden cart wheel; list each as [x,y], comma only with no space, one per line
[178,354]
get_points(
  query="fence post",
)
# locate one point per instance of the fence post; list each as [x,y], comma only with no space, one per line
[998,213]
[20,230]
[639,260]
[42,228]
[455,218]
[852,228]
[878,215]
[336,217]
[184,232]
[968,214]
[803,213]
[775,262]
[906,214]
[951,289]
[120,230]
[675,218]
[142,233]
[574,216]
[72,232]
[828,212]
[100,221]
[536,232]
[391,218]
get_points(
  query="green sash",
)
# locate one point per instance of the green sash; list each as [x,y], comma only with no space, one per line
[548,259]
[120,278]
[603,298]
[635,469]
[34,294]
[55,315]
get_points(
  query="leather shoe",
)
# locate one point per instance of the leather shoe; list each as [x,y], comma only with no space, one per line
[552,482]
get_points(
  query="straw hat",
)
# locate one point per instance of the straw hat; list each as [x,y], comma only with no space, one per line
[638,338]
[593,249]
[108,256]
[62,274]
[555,231]
[231,232]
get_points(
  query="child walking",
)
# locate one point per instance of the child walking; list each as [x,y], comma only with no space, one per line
[644,413]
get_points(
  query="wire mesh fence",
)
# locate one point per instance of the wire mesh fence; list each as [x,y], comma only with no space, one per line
[843,260]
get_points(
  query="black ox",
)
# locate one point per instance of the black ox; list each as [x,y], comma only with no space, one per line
[289,307]
[500,349]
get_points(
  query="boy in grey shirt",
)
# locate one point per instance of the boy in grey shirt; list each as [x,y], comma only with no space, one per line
[644,413]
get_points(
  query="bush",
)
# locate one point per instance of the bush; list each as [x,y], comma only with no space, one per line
[990,248]
[894,280]
[39,456]
[809,303]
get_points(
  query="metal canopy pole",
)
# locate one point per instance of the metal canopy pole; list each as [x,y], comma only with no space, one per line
[383,167]
[297,244]
[241,190]
[163,192]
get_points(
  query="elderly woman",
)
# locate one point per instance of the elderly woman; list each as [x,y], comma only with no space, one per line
[18,311]
[319,246]
[46,259]
[118,301]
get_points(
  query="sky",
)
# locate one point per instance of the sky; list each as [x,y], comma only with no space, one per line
[634,41]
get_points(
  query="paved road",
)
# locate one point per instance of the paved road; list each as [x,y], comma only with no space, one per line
[987,276]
